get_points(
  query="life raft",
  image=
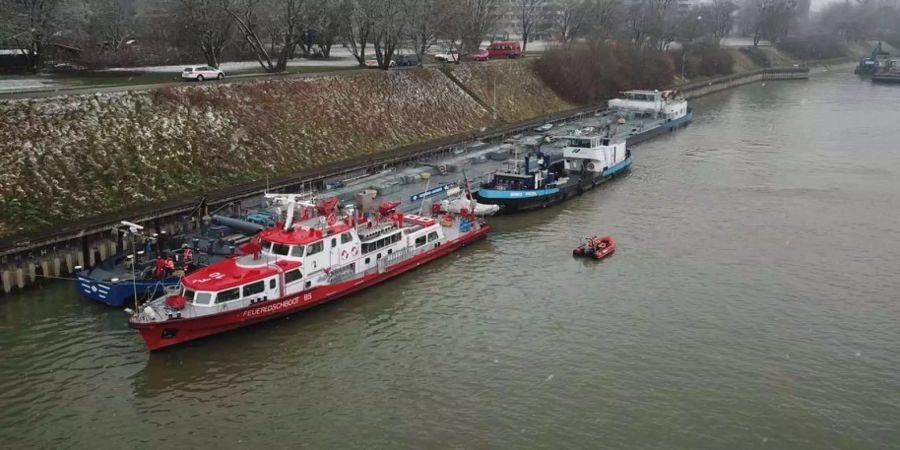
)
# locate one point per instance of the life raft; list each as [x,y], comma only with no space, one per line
[597,247]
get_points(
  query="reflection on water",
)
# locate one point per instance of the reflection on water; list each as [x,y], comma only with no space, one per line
[751,302]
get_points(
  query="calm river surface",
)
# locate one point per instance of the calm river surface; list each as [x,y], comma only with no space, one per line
[753,303]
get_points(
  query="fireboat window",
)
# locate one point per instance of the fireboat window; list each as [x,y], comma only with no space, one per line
[345,238]
[420,241]
[203,298]
[281,249]
[297,251]
[432,236]
[292,276]
[265,245]
[254,288]
[229,295]
[188,295]
[312,249]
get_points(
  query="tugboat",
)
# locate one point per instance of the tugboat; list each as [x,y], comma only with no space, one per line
[596,247]
[874,63]
[140,269]
[328,254]
[547,178]
[889,72]
[667,111]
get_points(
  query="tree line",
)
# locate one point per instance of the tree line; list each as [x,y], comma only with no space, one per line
[272,32]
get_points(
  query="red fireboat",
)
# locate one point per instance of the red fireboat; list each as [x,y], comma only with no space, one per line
[328,254]
[597,247]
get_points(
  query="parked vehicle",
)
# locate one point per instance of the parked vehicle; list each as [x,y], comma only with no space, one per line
[447,56]
[504,49]
[406,60]
[373,64]
[481,55]
[201,73]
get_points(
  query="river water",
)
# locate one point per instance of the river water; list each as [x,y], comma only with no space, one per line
[753,302]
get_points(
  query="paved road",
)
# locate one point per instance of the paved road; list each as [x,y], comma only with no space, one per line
[76,90]
[43,86]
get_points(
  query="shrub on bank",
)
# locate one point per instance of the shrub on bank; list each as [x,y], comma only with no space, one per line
[705,61]
[814,45]
[591,73]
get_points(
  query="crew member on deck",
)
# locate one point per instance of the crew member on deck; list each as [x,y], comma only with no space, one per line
[160,269]
[187,256]
[170,266]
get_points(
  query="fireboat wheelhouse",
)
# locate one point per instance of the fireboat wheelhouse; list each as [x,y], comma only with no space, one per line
[293,266]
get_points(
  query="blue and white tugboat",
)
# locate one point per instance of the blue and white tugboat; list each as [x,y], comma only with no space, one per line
[547,178]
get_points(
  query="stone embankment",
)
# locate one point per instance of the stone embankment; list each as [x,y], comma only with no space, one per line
[67,158]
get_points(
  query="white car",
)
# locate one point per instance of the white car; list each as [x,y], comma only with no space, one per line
[543,128]
[447,56]
[373,64]
[201,73]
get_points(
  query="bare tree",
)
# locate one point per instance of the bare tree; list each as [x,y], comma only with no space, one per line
[425,21]
[32,24]
[527,13]
[573,19]
[604,15]
[769,19]
[474,20]
[327,24]
[387,29]
[207,24]
[111,22]
[359,27]
[718,16]
[282,19]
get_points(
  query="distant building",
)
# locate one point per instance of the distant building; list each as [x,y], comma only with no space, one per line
[509,25]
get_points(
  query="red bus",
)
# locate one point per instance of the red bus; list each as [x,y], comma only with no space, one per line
[504,49]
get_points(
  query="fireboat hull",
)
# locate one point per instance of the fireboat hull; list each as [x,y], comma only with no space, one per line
[159,335]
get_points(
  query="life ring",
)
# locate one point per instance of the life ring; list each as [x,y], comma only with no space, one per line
[331,219]
[345,254]
[355,251]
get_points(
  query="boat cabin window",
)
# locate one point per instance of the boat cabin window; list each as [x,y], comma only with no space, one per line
[346,237]
[640,97]
[254,288]
[312,249]
[292,276]
[420,241]
[432,236]
[281,249]
[297,251]
[203,298]
[188,295]
[580,143]
[272,283]
[369,247]
[265,245]
[229,295]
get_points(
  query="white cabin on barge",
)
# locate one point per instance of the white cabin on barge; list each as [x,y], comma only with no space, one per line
[669,104]
[594,154]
